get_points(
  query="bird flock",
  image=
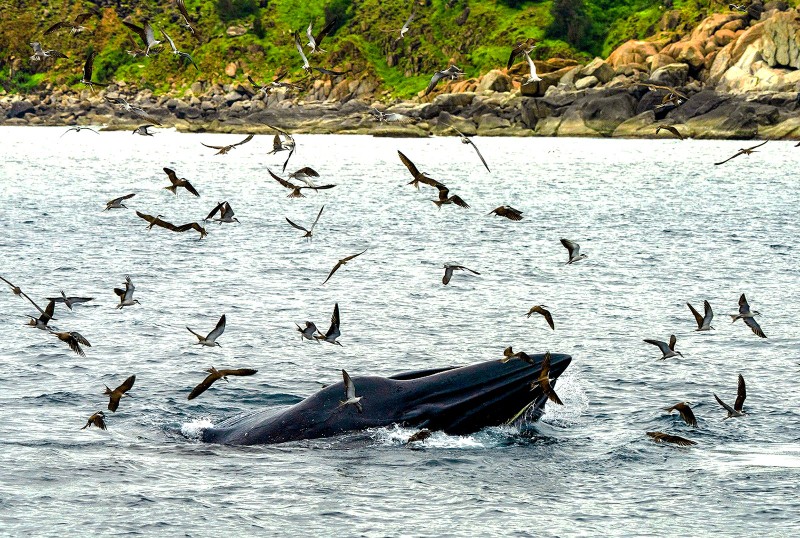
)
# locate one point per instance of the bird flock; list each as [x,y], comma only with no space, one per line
[305,179]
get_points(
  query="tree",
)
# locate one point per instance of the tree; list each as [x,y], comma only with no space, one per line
[570,21]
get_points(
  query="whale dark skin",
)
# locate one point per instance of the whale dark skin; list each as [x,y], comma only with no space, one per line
[458,401]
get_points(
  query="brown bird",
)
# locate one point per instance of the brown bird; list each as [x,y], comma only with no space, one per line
[526,45]
[661,437]
[225,149]
[98,420]
[16,289]
[542,309]
[736,410]
[544,381]
[88,69]
[448,272]
[192,226]
[743,151]
[117,393]
[445,199]
[296,188]
[686,413]
[419,177]
[419,437]
[673,95]
[509,354]
[47,314]
[178,182]
[670,129]
[748,317]
[214,375]
[73,340]
[342,262]
[508,212]
[74,26]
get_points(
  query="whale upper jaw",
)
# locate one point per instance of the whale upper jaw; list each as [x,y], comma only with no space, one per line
[458,401]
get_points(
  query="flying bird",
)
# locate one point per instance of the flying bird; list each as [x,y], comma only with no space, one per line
[419,177]
[315,41]
[544,381]
[686,413]
[308,331]
[736,410]
[748,317]
[78,129]
[661,437]
[69,301]
[350,394]
[574,250]
[333,332]
[16,289]
[283,141]
[448,272]
[45,317]
[310,231]
[390,117]
[225,149]
[466,140]
[743,151]
[670,129]
[304,174]
[445,199]
[667,350]
[296,188]
[146,33]
[542,309]
[451,73]
[673,95]
[704,321]
[187,23]
[39,54]
[88,67]
[73,340]
[532,77]
[508,212]
[524,45]
[175,51]
[214,375]
[419,437]
[138,111]
[97,420]
[75,27]
[407,24]
[342,262]
[117,203]
[508,354]
[274,84]
[126,295]
[225,213]
[191,226]
[178,182]
[158,221]
[115,395]
[142,130]
[299,47]
[211,339]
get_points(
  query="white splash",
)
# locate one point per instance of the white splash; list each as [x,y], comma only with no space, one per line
[576,402]
[194,428]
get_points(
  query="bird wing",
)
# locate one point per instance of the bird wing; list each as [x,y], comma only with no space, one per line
[744,308]
[548,317]
[31,300]
[727,407]
[199,336]
[280,75]
[335,268]
[119,292]
[448,274]
[697,317]
[308,171]
[411,167]
[299,47]
[471,143]
[48,312]
[330,71]
[514,53]
[126,197]
[531,65]
[544,381]
[202,387]
[318,216]
[57,26]
[709,314]
[291,152]
[245,141]
[663,346]
[349,387]
[150,38]
[661,437]
[182,9]
[754,326]
[741,394]
[79,337]
[280,180]
[467,269]
[138,30]
[218,330]
[213,147]
[238,371]
[686,413]
[218,207]
[296,225]
[89,66]
[83,17]
[335,317]
[347,259]
[173,177]
[572,247]
[671,129]
[758,145]
[253,83]
[672,341]
[434,81]
[190,188]
[73,344]
[145,116]
[729,158]
[457,200]
[169,39]
[324,32]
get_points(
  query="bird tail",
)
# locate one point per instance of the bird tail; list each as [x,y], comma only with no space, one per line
[108,390]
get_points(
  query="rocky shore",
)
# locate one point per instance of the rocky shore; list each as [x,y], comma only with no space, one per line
[737,73]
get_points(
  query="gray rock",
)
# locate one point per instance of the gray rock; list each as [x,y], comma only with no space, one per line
[19,109]
[587,82]
[496,81]
[605,114]
[599,69]
[697,105]
[453,101]
[671,75]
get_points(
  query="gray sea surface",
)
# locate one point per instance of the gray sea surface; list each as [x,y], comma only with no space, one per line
[661,225]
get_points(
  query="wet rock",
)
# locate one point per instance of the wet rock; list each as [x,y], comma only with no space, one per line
[638,126]
[19,109]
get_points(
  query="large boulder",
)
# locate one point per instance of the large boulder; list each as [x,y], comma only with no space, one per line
[604,114]
[637,126]
[19,109]
[690,52]
[675,74]
[496,81]
[453,101]
[632,52]
[698,104]
[733,119]
[599,69]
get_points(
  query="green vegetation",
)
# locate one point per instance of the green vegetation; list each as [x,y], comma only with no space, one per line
[256,35]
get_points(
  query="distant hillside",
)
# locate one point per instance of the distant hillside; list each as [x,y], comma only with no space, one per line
[255,37]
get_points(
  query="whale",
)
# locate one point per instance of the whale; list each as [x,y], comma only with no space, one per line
[455,400]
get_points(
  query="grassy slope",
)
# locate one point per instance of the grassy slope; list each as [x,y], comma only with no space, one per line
[364,41]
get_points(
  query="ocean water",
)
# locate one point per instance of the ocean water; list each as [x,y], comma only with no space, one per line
[661,226]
